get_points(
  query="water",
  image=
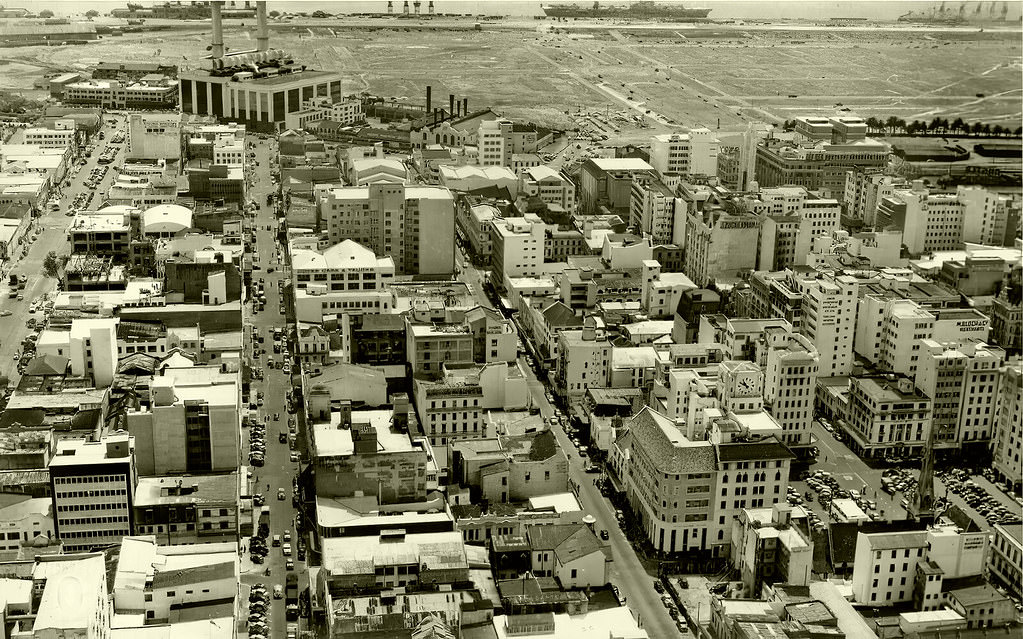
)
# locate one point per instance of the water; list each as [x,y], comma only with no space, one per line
[721,9]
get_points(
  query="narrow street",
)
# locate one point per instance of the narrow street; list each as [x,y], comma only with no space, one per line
[278,470]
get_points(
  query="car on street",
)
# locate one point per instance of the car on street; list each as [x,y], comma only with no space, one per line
[278,591]
[286,550]
[281,496]
[289,565]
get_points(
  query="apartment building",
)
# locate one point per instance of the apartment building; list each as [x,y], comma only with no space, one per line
[584,359]
[517,247]
[963,379]
[692,153]
[554,188]
[886,417]
[929,221]
[191,423]
[1007,431]
[864,189]
[414,225]
[93,487]
[791,365]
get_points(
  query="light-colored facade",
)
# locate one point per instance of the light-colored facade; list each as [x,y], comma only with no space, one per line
[62,135]
[929,221]
[346,266]
[495,144]
[414,225]
[791,366]
[1007,435]
[93,488]
[863,191]
[653,210]
[431,346]
[517,247]
[963,380]
[113,94]
[153,136]
[551,186]
[1006,560]
[887,417]
[691,153]
[584,360]
[829,322]
[768,547]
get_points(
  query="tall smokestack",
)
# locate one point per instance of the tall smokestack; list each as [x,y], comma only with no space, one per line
[218,31]
[429,8]
[390,6]
[405,8]
[451,105]
[429,98]
[262,32]
[465,106]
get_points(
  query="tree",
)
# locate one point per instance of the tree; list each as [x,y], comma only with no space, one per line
[958,124]
[977,128]
[997,130]
[1019,131]
[91,13]
[52,264]
[45,13]
[274,14]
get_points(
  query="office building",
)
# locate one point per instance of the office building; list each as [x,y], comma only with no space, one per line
[987,215]
[791,365]
[584,359]
[153,136]
[963,380]
[816,163]
[93,487]
[191,509]
[929,221]
[517,247]
[114,94]
[605,184]
[887,418]
[691,153]
[346,266]
[829,321]
[1007,434]
[414,225]
[494,141]
[554,188]
[769,547]
[62,135]
[653,211]
[1006,559]
[718,243]
[864,189]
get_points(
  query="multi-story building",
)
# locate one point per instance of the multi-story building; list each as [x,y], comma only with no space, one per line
[719,242]
[987,215]
[93,487]
[584,360]
[829,321]
[191,425]
[777,294]
[105,233]
[189,509]
[822,215]
[1007,312]
[606,183]
[551,186]
[63,135]
[517,247]
[346,266]
[790,364]
[784,242]
[820,165]
[1007,432]
[113,94]
[414,225]
[450,409]
[52,579]
[887,418]
[929,221]
[153,136]
[910,566]
[431,346]
[653,211]
[963,380]
[494,141]
[510,468]
[864,189]
[1006,560]
[474,221]
[768,547]
[691,153]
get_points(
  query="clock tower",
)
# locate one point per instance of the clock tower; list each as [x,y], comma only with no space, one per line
[741,387]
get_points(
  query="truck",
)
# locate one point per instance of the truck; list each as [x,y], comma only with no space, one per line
[291,597]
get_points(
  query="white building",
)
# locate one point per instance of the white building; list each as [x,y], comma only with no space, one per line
[829,322]
[552,187]
[26,523]
[93,485]
[472,178]
[1007,438]
[655,211]
[985,215]
[963,380]
[790,364]
[494,141]
[929,221]
[414,225]
[85,613]
[61,136]
[345,267]
[1006,561]
[863,191]
[91,345]
[153,136]
[691,153]
[584,359]
[517,246]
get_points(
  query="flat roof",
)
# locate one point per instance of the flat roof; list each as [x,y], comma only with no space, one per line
[333,441]
[212,489]
[71,594]
[621,164]
[361,555]
[77,452]
[559,502]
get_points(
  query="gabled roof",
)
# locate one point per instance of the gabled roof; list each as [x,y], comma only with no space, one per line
[561,315]
[581,543]
[47,365]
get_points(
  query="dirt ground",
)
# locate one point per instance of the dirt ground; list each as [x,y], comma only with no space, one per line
[717,77]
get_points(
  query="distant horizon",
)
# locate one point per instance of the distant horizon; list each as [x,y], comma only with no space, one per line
[720,9]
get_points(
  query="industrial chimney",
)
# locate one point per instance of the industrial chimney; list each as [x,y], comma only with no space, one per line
[416,4]
[390,6]
[262,32]
[465,106]
[429,98]
[405,8]
[218,31]
[451,105]
[429,8]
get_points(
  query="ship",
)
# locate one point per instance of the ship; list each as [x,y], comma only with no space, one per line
[944,14]
[182,11]
[644,10]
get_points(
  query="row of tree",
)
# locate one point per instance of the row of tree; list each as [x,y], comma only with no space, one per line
[938,126]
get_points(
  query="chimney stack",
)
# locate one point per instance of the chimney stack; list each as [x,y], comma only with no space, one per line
[429,98]
[390,6]
[405,8]
[218,31]
[451,105]
[262,32]
[465,106]
[429,8]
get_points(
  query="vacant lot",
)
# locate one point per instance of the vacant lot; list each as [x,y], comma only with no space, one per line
[717,77]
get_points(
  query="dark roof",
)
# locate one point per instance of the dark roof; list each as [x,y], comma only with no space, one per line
[545,445]
[47,365]
[193,575]
[491,191]
[138,364]
[843,535]
[464,511]
[382,322]
[754,451]
[976,595]
[559,314]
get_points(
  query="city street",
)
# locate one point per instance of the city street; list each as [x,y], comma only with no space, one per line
[626,571]
[52,227]
[278,471]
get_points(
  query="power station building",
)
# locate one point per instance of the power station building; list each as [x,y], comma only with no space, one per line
[256,88]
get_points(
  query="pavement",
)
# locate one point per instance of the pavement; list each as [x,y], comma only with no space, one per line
[278,470]
[52,226]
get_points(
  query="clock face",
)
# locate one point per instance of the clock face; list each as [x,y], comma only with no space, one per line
[746,385]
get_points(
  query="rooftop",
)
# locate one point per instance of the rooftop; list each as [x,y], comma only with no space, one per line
[73,592]
[346,255]
[669,450]
[361,555]
[167,491]
[79,452]
[333,441]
